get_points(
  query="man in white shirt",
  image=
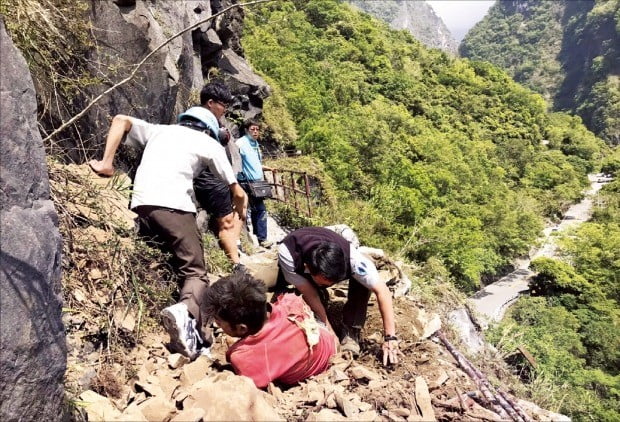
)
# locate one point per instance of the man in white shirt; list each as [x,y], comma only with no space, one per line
[163,199]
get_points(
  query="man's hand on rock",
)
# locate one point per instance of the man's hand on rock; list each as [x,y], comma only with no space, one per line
[390,350]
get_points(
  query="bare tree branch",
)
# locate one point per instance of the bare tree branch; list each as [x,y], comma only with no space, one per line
[139,65]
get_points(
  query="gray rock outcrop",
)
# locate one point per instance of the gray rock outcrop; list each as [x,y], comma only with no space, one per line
[417,17]
[32,350]
[125,32]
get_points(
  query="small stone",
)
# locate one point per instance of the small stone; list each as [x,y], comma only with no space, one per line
[157,409]
[330,401]
[367,416]
[95,274]
[337,375]
[401,412]
[98,408]
[424,325]
[345,405]
[438,379]
[423,399]
[131,414]
[176,360]
[315,396]
[360,372]
[275,392]
[79,295]
[376,384]
[149,389]
[325,415]
[364,407]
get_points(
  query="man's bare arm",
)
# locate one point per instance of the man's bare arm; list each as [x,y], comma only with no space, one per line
[384,300]
[121,124]
[311,297]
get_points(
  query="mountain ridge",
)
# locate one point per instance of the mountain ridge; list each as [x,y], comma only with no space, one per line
[568,51]
[418,18]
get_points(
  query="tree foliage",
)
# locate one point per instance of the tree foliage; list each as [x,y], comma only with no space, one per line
[448,153]
[571,324]
[569,51]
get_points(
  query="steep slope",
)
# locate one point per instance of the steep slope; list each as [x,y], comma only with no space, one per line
[417,17]
[566,50]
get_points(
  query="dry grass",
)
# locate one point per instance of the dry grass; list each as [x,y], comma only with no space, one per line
[54,36]
[114,285]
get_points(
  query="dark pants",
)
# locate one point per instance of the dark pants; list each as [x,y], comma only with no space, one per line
[258,216]
[353,312]
[176,231]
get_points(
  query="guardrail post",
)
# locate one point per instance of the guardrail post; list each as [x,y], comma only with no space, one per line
[306,181]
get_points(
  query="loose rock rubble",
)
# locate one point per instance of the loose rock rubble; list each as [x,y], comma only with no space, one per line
[148,383]
[426,385]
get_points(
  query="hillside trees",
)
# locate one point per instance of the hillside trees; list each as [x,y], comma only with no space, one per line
[521,37]
[569,51]
[571,324]
[447,152]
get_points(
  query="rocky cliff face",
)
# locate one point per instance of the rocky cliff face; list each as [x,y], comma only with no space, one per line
[417,17]
[125,32]
[33,350]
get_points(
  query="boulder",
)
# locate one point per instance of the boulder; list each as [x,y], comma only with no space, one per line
[424,324]
[123,36]
[126,32]
[98,408]
[228,397]
[250,89]
[263,266]
[33,351]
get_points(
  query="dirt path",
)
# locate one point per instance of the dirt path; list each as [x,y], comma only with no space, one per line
[492,301]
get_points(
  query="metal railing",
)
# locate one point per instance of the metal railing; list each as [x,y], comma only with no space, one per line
[291,187]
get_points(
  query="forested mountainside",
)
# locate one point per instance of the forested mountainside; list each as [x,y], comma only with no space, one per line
[569,51]
[446,163]
[438,158]
[571,321]
[417,17]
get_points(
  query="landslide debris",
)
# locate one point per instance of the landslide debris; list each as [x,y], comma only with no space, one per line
[119,368]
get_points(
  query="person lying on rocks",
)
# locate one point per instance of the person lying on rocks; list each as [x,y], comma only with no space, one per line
[281,342]
[162,198]
[314,258]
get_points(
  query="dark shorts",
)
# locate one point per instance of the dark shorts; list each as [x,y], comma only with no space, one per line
[213,195]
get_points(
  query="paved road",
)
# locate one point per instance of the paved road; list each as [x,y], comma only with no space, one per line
[492,301]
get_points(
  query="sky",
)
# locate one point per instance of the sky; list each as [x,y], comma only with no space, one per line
[460,15]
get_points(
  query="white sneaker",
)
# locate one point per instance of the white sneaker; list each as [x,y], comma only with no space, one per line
[182,330]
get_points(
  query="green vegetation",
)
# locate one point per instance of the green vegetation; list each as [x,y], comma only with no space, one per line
[431,156]
[524,39]
[566,50]
[571,323]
